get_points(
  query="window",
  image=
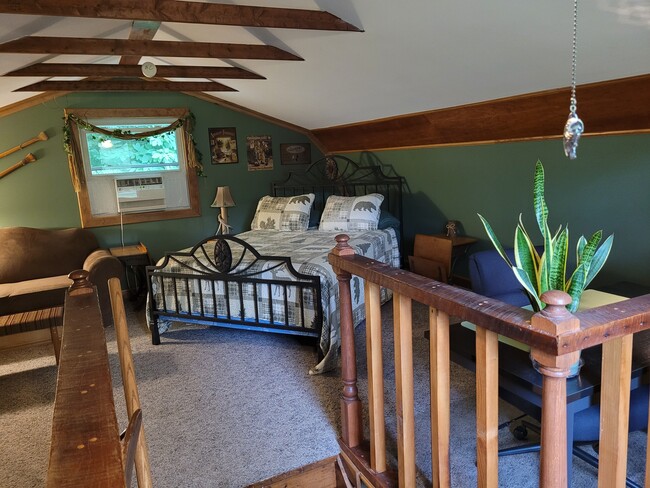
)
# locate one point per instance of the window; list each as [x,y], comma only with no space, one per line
[133,179]
[112,156]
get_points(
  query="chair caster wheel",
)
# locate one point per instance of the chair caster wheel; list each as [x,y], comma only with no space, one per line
[520,432]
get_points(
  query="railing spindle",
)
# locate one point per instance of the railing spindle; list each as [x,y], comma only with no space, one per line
[439,379]
[614,411]
[375,377]
[487,408]
[351,426]
[404,403]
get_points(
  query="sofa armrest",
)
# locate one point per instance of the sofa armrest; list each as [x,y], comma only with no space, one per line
[102,265]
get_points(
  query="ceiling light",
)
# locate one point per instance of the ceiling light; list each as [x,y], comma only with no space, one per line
[149,69]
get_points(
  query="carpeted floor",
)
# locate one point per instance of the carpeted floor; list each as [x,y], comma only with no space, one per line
[226,408]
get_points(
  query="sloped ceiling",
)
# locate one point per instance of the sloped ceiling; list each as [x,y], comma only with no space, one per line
[410,56]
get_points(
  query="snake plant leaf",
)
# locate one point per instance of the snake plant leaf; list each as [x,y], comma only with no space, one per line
[580,246]
[541,210]
[495,241]
[600,256]
[558,264]
[576,287]
[535,253]
[525,255]
[590,248]
[522,277]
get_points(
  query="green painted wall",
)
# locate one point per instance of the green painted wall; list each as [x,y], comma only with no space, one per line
[607,187]
[41,195]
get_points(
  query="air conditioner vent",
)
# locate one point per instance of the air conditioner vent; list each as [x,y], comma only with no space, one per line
[143,194]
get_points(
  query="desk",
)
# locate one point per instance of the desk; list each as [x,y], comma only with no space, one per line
[521,386]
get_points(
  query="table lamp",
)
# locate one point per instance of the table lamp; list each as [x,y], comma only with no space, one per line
[223,200]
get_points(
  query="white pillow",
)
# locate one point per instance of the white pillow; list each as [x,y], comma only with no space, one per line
[283,213]
[351,213]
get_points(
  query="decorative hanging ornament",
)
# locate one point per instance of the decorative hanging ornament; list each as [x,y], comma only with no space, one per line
[574,127]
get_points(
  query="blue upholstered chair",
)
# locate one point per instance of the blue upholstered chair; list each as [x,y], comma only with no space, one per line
[491,277]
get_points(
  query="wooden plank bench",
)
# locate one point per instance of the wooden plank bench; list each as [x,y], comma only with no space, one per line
[45,318]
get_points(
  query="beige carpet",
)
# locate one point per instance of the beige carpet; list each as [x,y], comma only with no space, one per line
[226,408]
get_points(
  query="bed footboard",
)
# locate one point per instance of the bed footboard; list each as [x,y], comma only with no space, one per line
[224,281]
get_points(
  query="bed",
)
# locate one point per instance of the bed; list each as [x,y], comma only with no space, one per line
[280,281]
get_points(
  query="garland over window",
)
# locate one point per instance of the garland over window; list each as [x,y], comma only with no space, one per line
[75,162]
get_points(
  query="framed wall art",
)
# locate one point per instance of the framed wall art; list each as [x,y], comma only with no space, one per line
[260,153]
[223,145]
[295,153]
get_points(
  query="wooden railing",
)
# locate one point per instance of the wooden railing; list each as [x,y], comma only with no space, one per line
[85,448]
[555,337]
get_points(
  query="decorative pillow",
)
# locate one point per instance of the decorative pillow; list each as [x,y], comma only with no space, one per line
[283,213]
[351,213]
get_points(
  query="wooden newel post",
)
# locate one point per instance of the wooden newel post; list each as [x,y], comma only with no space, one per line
[555,319]
[352,433]
[80,282]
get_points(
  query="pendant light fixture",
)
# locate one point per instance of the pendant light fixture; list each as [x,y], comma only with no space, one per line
[574,127]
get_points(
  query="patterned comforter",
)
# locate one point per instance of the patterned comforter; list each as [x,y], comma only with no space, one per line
[308,251]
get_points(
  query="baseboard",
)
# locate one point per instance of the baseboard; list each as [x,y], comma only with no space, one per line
[321,474]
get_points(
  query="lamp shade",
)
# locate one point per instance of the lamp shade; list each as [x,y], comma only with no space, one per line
[223,198]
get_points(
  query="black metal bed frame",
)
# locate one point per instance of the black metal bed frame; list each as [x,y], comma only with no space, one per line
[333,175]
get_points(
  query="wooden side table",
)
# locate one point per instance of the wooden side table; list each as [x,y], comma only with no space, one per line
[135,258]
[431,248]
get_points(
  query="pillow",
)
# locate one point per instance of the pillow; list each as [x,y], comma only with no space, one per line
[388,220]
[283,213]
[351,213]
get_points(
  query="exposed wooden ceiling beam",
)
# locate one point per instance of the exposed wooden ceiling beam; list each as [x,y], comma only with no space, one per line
[126,85]
[126,47]
[140,31]
[115,70]
[184,12]
[607,107]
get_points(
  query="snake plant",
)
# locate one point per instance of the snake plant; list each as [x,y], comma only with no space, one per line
[538,274]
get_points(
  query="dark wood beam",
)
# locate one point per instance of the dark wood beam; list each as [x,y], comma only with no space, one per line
[184,12]
[140,31]
[610,107]
[115,70]
[126,85]
[126,47]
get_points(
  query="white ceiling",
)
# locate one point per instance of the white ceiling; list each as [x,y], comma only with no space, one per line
[413,55]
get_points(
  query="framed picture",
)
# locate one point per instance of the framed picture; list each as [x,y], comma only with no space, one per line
[223,145]
[295,153]
[260,153]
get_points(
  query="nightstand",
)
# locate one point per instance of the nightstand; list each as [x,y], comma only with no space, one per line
[135,259]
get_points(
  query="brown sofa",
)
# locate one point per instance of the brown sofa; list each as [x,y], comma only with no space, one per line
[34,267]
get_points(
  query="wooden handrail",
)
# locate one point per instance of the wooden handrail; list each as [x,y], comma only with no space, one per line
[85,448]
[554,335]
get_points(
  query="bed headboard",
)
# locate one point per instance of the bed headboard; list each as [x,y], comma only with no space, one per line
[339,175]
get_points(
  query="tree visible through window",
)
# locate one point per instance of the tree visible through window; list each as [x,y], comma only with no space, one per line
[110,156]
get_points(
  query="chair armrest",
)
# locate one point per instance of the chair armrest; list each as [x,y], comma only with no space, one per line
[102,265]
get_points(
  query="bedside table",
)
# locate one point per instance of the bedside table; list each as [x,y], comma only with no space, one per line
[135,258]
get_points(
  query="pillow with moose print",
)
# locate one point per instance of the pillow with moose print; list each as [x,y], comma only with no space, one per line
[351,213]
[283,213]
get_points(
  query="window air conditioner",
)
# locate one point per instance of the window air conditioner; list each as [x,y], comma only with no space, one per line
[140,194]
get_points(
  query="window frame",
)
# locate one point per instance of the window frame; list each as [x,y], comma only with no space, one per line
[83,197]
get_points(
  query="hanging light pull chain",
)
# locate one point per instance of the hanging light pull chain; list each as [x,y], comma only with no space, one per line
[574,127]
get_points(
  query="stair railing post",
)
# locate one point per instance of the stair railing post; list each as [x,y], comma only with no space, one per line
[351,426]
[555,319]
